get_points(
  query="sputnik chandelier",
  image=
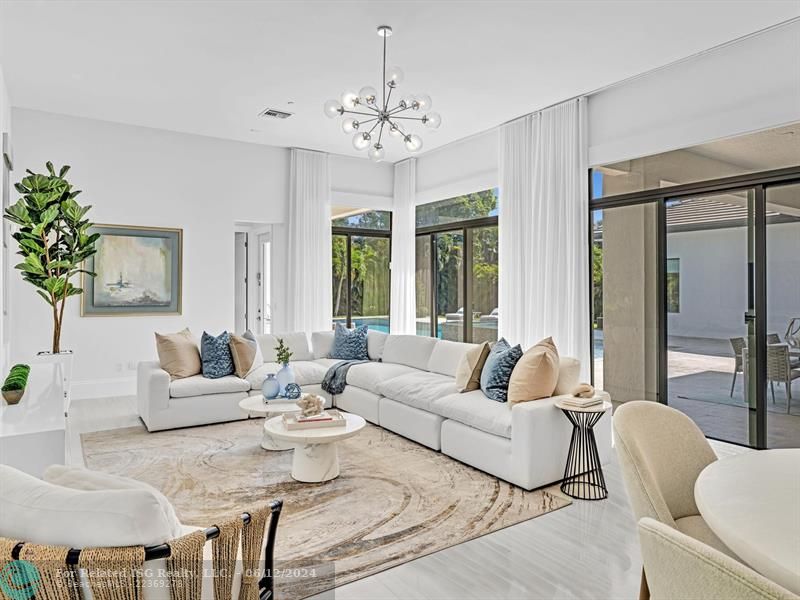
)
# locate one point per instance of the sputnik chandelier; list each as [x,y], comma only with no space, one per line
[373,112]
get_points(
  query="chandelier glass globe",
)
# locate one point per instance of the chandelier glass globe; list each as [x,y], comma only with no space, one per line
[394,76]
[376,153]
[350,100]
[432,120]
[413,142]
[424,102]
[349,125]
[333,108]
[368,94]
[361,140]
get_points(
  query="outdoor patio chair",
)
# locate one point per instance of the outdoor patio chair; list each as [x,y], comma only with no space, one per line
[738,345]
[780,369]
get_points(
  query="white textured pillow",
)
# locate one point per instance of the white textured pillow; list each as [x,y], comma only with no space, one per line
[447,355]
[266,342]
[569,375]
[78,478]
[42,513]
[297,343]
[321,343]
[376,342]
[410,350]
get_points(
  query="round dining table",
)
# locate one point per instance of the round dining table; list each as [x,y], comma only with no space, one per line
[752,502]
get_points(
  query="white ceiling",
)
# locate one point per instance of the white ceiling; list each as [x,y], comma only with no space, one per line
[210,67]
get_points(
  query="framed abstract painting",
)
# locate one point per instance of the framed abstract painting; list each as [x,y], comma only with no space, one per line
[139,272]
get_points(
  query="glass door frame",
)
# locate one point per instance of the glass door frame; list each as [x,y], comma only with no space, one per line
[349,233]
[465,228]
[759,183]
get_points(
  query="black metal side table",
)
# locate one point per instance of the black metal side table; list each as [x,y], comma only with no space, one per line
[583,475]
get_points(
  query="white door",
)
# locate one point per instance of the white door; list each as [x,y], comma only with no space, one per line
[264,316]
[240,281]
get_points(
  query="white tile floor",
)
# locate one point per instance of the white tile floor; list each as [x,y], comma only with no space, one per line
[586,550]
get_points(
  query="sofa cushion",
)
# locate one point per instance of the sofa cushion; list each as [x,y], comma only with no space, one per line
[476,410]
[369,375]
[350,344]
[297,343]
[42,513]
[79,478]
[203,386]
[178,354]
[376,342]
[410,350]
[468,373]
[321,343]
[446,357]
[306,372]
[498,368]
[535,374]
[246,355]
[569,375]
[215,351]
[418,389]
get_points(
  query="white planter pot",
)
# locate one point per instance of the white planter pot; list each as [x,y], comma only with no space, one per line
[64,360]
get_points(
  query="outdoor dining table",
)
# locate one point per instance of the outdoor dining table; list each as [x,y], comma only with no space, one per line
[750,501]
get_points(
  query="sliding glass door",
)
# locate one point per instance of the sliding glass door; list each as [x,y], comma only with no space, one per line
[711,281]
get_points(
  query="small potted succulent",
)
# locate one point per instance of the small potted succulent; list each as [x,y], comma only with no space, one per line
[15,383]
[286,375]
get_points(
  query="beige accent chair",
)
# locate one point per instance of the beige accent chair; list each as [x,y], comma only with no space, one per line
[679,566]
[661,452]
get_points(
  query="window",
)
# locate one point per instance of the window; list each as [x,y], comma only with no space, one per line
[457,267]
[674,285]
[361,251]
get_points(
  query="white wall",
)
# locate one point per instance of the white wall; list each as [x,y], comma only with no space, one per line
[360,183]
[138,176]
[713,280]
[745,86]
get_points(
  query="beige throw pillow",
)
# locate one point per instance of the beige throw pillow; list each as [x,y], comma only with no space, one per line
[468,373]
[246,355]
[178,354]
[536,374]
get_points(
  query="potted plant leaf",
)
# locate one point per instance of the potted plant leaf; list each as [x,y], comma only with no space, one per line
[54,240]
[15,384]
[285,375]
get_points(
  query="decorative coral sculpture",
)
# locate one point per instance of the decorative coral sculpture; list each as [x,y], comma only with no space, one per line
[311,405]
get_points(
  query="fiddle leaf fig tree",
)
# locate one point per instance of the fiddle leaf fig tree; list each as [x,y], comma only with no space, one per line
[53,238]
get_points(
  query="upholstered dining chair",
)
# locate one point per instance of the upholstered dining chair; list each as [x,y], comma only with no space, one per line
[738,345]
[661,452]
[679,566]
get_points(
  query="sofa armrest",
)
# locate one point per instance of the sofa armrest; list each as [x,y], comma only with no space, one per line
[540,436]
[152,389]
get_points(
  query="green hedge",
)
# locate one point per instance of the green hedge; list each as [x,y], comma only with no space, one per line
[17,378]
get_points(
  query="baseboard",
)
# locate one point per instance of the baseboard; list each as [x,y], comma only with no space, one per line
[103,388]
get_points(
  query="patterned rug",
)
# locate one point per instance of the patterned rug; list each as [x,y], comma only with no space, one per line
[394,500]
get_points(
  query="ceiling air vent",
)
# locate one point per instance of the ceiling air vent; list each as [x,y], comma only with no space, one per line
[274,113]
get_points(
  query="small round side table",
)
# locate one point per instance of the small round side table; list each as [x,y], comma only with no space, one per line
[255,406]
[583,475]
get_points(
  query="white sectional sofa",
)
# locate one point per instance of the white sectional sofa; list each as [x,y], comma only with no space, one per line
[408,387]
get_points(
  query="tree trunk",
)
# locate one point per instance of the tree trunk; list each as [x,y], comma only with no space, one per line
[56,335]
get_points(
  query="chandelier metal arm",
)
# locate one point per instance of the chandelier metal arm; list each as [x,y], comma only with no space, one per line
[408,118]
[398,109]
[355,112]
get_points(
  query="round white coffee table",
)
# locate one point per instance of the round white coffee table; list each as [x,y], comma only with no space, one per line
[255,406]
[316,457]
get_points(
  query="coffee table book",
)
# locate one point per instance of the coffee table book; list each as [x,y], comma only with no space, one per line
[294,422]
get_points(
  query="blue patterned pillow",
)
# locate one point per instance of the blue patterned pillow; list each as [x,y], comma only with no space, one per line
[350,344]
[497,370]
[215,353]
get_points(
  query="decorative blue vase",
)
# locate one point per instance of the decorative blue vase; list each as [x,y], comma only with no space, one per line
[271,387]
[284,377]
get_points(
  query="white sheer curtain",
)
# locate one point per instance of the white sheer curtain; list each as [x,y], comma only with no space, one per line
[543,253]
[308,293]
[403,288]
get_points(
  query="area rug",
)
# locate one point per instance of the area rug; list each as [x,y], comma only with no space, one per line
[394,500]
